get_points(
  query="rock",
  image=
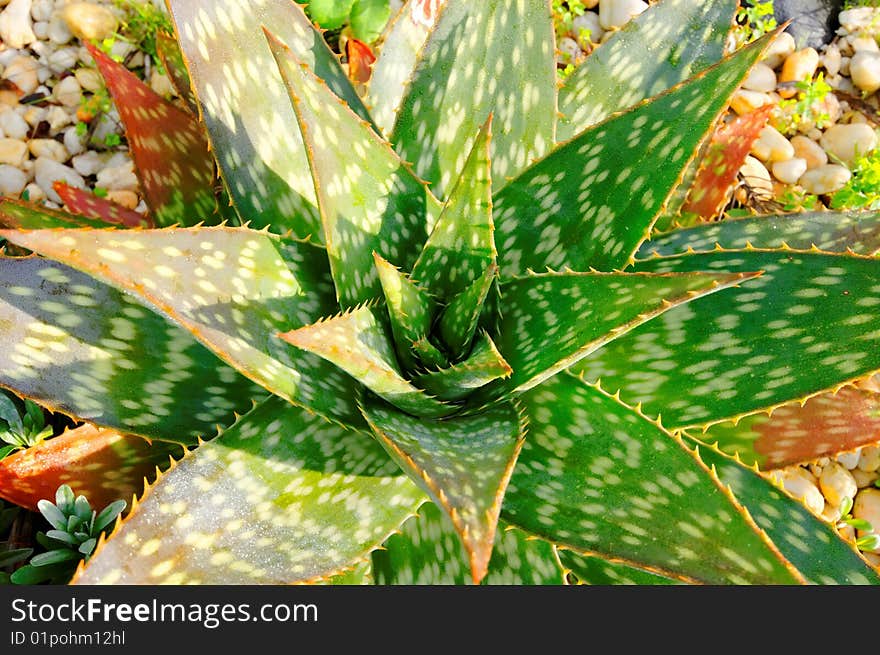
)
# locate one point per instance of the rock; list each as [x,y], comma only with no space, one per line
[12,180]
[847,142]
[798,483]
[118,178]
[41,30]
[757,177]
[813,21]
[869,460]
[849,460]
[799,66]
[837,484]
[128,199]
[586,29]
[808,150]
[779,50]
[863,478]
[161,84]
[35,115]
[88,163]
[16,26]
[867,508]
[68,92]
[89,21]
[790,170]
[772,146]
[13,125]
[761,78]
[48,171]
[617,13]
[63,60]
[48,148]
[58,32]
[744,101]
[22,71]
[34,193]
[74,143]
[864,70]
[41,10]
[58,118]
[830,60]
[12,151]
[863,43]
[89,79]
[569,50]
[825,179]
[859,19]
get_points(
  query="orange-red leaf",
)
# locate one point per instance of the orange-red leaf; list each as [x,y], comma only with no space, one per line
[360,61]
[78,201]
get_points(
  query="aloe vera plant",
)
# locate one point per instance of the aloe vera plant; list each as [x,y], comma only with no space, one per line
[431,320]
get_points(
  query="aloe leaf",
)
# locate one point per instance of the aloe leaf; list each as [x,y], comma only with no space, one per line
[168,147]
[427,551]
[175,68]
[597,477]
[18,214]
[429,355]
[101,464]
[823,426]
[461,77]
[360,574]
[410,308]
[483,365]
[830,231]
[86,203]
[251,125]
[663,46]
[292,498]
[813,546]
[725,357]
[593,201]
[368,199]
[459,320]
[461,245]
[357,342]
[552,320]
[593,570]
[83,348]
[402,43]
[234,289]
[464,464]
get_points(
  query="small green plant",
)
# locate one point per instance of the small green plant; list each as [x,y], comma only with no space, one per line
[795,199]
[142,22]
[24,428]
[10,555]
[754,21]
[867,542]
[564,13]
[73,537]
[365,18]
[806,108]
[863,189]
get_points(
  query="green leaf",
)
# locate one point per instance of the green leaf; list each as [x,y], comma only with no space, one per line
[329,14]
[18,214]
[234,289]
[32,575]
[473,64]
[592,202]
[62,535]
[292,498]
[358,343]
[747,350]
[461,245]
[368,198]
[464,464]
[597,477]
[368,18]
[65,499]
[54,557]
[429,355]
[168,146]
[401,45]
[459,320]
[109,514]
[87,546]
[83,348]
[14,556]
[552,320]
[827,230]
[6,451]
[175,68]
[427,551]
[483,365]
[251,125]
[809,543]
[52,514]
[663,46]
[823,426]
[597,571]
[9,413]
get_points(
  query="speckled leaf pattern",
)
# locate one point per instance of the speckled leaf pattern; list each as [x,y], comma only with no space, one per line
[282,496]
[235,289]
[483,365]
[429,354]
[358,343]
[660,48]
[369,200]
[464,463]
[796,433]
[813,546]
[458,322]
[251,126]
[83,348]
[552,320]
[597,477]
[400,47]
[86,203]
[718,168]
[461,77]
[427,551]
[18,214]
[591,570]
[831,231]
[101,464]
[168,147]
[461,246]
[733,355]
[593,201]
[175,68]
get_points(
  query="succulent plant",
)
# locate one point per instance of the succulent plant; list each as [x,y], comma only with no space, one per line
[458,352]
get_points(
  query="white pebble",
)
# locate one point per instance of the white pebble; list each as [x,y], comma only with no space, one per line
[88,163]
[863,478]
[867,508]
[12,151]
[89,79]
[757,177]
[798,485]
[34,115]
[48,148]
[128,199]
[16,26]
[825,179]
[68,91]
[587,29]
[772,146]
[864,70]
[88,21]
[761,78]
[42,9]
[74,143]
[41,30]
[779,49]
[12,124]
[810,151]
[858,19]
[58,118]
[849,460]
[34,193]
[119,178]
[790,170]
[161,84]
[569,50]
[869,460]
[846,142]
[58,32]
[12,180]
[830,60]
[617,13]
[62,60]
[837,484]
[47,171]
[22,71]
